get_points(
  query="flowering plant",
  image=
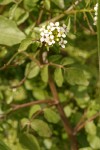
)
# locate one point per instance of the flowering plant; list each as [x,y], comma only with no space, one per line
[53,33]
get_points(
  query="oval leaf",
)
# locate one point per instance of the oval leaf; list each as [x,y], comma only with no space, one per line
[9,33]
[58,77]
[76,76]
[29,142]
[59,3]
[32,70]
[44,73]
[41,128]
[51,116]
[24,44]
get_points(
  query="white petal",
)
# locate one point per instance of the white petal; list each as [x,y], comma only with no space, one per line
[51,24]
[63,35]
[45,31]
[51,36]
[63,46]
[42,34]
[65,41]
[57,24]
[42,39]
[48,27]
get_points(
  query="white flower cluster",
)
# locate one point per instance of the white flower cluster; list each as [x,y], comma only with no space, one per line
[96,14]
[53,33]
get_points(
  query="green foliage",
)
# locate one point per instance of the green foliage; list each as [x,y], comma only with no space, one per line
[58,76]
[10,34]
[51,116]
[41,128]
[30,113]
[29,142]
[3,146]
[32,70]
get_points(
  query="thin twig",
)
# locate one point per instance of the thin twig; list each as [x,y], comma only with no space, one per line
[16,107]
[64,119]
[81,126]
[65,12]
[8,63]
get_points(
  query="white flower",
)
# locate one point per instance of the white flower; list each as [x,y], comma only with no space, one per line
[53,33]
[96,14]
[61,32]
[62,43]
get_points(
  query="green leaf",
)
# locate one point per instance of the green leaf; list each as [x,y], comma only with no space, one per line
[30,4]
[41,128]
[44,73]
[51,115]
[87,2]
[76,76]
[3,146]
[58,77]
[94,141]
[67,61]
[12,11]
[32,70]
[29,142]
[9,33]
[47,4]
[24,122]
[24,44]
[39,93]
[90,128]
[33,110]
[35,45]
[59,3]
[5,2]
[68,110]
[55,58]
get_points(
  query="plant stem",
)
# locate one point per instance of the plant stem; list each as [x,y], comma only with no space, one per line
[68,129]
[65,12]
[98,34]
[81,125]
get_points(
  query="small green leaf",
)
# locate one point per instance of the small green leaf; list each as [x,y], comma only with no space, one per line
[47,4]
[67,61]
[5,2]
[59,3]
[90,128]
[3,146]
[9,33]
[35,45]
[54,58]
[24,122]
[44,73]
[68,110]
[24,44]
[51,115]
[41,128]
[58,77]
[30,4]
[39,93]
[94,141]
[32,70]
[12,11]
[76,76]
[33,110]
[29,142]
